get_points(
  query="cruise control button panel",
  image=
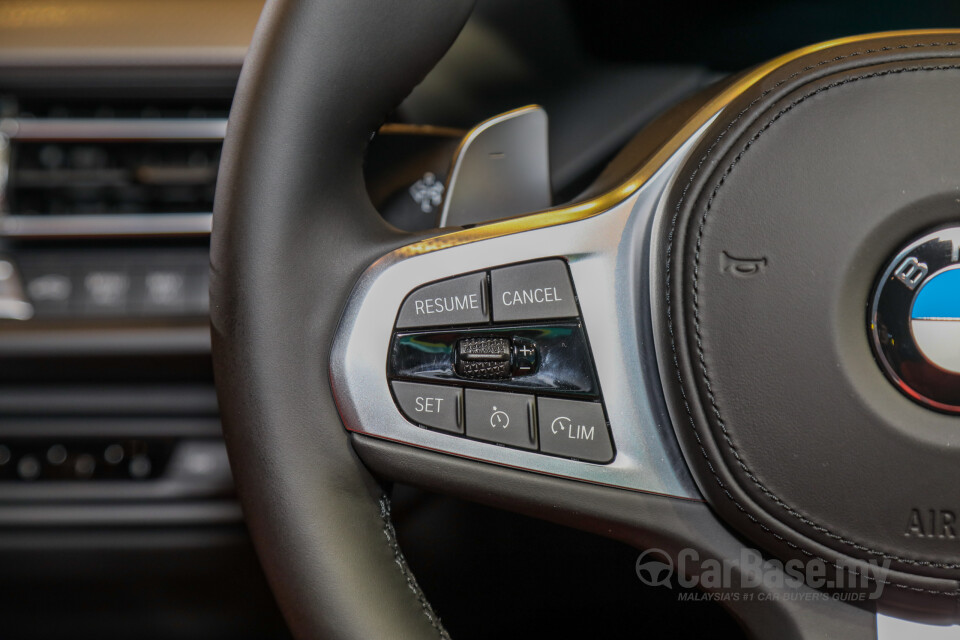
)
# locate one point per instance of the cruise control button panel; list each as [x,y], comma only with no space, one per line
[501,356]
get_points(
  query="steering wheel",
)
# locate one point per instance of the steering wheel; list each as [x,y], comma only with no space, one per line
[746,355]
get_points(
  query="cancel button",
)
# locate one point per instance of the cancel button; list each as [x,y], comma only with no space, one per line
[533,291]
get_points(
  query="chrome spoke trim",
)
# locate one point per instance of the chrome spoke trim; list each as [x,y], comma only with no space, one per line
[608,255]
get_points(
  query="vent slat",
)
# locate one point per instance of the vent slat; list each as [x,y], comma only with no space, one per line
[105,162]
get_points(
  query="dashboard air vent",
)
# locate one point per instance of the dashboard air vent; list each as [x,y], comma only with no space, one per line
[95,167]
[105,161]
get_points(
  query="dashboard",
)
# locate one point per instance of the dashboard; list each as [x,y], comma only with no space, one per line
[117,508]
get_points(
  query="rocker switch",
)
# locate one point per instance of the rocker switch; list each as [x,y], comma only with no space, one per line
[485,358]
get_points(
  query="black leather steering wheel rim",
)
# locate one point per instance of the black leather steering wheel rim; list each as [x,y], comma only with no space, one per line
[291,187]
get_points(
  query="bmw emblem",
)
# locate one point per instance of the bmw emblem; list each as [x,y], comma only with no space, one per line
[915,320]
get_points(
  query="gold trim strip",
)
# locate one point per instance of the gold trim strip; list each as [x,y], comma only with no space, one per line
[606,201]
[403,129]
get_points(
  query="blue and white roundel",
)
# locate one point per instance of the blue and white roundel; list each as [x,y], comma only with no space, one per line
[935,320]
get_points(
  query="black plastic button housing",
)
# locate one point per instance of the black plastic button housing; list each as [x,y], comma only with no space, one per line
[562,361]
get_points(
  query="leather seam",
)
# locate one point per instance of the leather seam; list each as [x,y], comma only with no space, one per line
[391,534]
[696,315]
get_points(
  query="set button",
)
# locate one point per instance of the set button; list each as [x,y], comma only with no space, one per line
[431,405]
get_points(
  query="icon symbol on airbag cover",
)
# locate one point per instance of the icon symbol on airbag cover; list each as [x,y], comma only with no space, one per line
[741,267]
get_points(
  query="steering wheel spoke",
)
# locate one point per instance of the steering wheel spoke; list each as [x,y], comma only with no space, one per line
[572,296]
